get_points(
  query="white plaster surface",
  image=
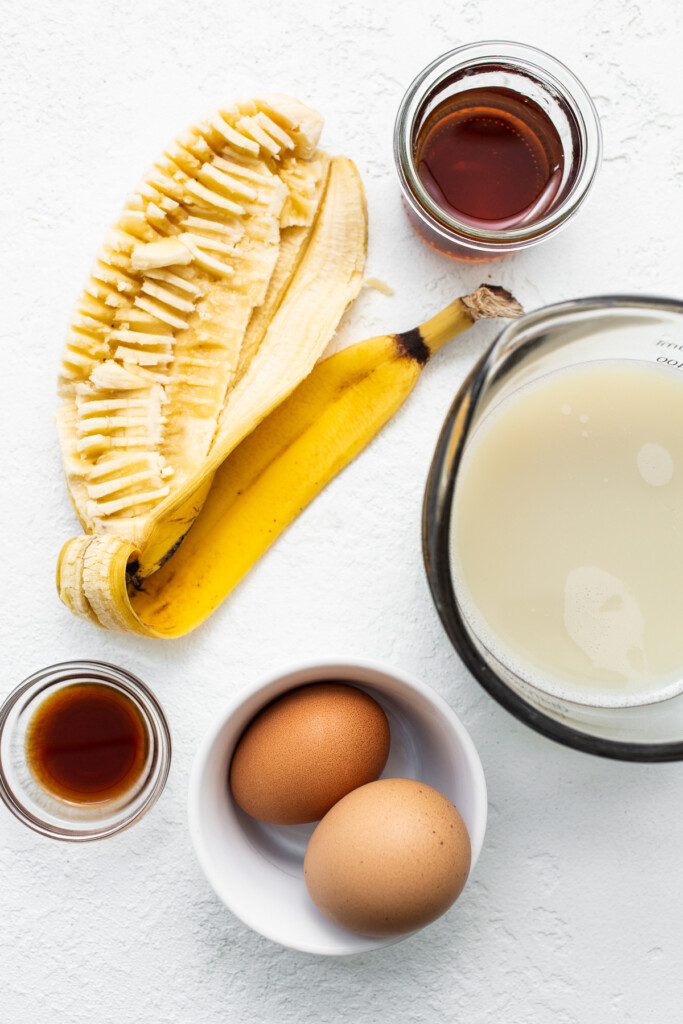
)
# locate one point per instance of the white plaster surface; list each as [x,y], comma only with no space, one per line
[574,914]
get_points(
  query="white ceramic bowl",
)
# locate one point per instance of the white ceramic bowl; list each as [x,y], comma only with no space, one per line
[256,869]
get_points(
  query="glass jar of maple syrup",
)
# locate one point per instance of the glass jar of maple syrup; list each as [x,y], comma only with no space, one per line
[497,144]
[85,750]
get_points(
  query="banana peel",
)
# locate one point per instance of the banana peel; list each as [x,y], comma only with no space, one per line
[262,483]
[214,294]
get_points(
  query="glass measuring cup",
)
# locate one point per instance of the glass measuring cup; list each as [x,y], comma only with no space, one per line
[548,340]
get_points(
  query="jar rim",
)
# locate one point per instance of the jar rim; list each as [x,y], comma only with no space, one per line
[544,69]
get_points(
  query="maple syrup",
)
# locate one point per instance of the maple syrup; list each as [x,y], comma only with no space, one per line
[490,157]
[497,144]
[87,743]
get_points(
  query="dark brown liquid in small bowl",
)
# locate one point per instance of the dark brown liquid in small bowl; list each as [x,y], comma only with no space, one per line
[490,157]
[87,743]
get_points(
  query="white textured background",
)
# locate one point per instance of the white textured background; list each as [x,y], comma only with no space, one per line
[574,915]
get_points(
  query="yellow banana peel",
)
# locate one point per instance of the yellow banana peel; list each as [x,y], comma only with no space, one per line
[245,499]
[212,297]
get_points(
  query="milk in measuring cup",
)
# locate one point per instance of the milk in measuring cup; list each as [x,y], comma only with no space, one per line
[567,532]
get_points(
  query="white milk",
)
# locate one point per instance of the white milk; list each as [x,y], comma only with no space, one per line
[567,532]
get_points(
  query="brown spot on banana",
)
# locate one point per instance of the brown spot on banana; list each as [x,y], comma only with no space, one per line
[412,344]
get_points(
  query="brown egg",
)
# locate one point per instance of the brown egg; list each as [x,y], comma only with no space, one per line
[307,750]
[389,858]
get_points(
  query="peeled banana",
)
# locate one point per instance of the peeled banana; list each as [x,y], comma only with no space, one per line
[269,478]
[214,294]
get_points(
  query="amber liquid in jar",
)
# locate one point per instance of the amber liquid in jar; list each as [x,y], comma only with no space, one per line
[490,157]
[87,743]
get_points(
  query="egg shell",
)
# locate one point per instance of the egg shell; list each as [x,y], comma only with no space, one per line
[307,750]
[388,859]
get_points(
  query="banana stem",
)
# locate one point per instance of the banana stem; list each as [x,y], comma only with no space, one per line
[486,302]
[445,325]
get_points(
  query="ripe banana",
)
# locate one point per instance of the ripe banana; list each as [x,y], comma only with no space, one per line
[265,481]
[214,294]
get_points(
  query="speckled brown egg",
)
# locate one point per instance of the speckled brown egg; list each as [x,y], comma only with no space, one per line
[307,750]
[389,858]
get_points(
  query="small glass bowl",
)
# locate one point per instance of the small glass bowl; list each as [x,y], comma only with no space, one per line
[534,75]
[62,819]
